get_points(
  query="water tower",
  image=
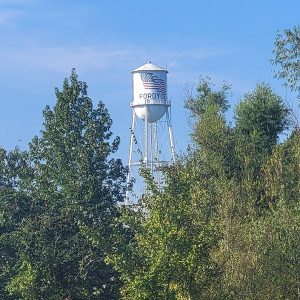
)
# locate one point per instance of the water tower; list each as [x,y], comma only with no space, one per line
[150,110]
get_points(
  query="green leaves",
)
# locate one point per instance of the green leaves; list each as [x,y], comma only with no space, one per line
[287,57]
[225,225]
[262,113]
[59,204]
[207,97]
[210,232]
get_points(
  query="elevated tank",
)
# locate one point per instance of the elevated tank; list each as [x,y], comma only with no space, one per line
[149,92]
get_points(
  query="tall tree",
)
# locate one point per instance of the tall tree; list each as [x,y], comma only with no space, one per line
[260,119]
[15,207]
[75,187]
[205,235]
[287,57]
[257,201]
[175,230]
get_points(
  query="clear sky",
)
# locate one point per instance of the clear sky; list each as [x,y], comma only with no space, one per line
[41,40]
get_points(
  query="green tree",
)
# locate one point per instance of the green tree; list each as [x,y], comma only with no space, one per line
[287,57]
[260,255]
[205,235]
[206,97]
[75,188]
[212,137]
[175,230]
[267,176]
[260,119]
[262,113]
[15,206]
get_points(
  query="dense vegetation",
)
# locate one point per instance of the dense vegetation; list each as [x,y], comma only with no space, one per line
[225,226]
[59,205]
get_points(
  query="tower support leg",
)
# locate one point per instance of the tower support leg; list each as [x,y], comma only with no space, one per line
[171,137]
[129,175]
[146,137]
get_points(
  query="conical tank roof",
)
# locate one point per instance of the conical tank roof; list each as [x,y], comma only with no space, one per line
[149,66]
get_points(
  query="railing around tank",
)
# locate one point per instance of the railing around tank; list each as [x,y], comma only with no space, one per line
[150,102]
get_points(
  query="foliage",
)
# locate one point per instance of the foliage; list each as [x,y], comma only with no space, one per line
[225,225]
[262,112]
[287,57]
[206,97]
[169,251]
[229,209]
[73,189]
[15,206]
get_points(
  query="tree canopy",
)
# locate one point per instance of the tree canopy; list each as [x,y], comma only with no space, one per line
[216,229]
[67,203]
[287,57]
[225,224]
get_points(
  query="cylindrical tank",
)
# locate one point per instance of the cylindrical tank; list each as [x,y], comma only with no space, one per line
[150,92]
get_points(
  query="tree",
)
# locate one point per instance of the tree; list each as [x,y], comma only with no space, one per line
[174,231]
[262,112]
[260,119]
[75,188]
[211,135]
[15,206]
[287,57]
[256,238]
[206,235]
[207,96]
[261,256]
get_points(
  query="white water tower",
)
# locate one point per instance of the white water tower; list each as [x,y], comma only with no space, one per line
[151,107]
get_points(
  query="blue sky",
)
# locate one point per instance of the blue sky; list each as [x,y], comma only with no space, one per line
[104,40]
